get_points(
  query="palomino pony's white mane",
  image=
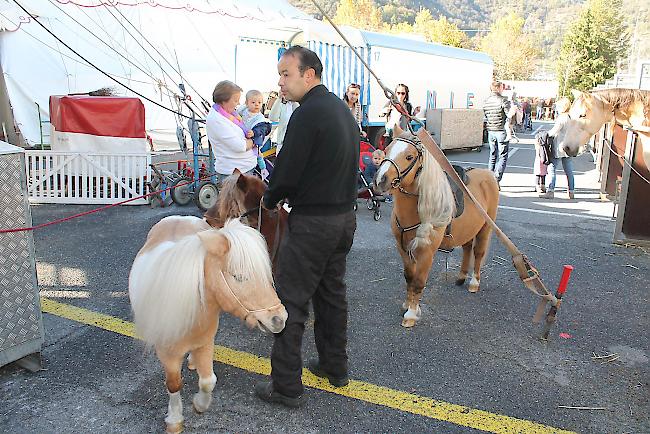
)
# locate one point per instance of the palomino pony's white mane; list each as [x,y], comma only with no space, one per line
[167,283]
[436,206]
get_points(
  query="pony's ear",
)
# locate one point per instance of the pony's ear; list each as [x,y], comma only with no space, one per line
[236,172]
[576,93]
[242,183]
[214,242]
[397,131]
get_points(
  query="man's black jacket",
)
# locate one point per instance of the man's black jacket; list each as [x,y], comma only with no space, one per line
[317,168]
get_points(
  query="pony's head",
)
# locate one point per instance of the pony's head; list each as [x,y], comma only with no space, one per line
[586,116]
[413,171]
[239,195]
[403,162]
[238,274]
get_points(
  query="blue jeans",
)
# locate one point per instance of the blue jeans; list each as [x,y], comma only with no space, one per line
[499,147]
[567,165]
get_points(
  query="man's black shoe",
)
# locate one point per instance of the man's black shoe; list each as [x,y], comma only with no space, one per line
[265,392]
[314,366]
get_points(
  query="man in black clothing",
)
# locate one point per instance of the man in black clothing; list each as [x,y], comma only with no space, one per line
[317,173]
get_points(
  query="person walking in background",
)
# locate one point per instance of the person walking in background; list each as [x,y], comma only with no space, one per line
[540,109]
[496,108]
[281,113]
[351,98]
[394,117]
[558,155]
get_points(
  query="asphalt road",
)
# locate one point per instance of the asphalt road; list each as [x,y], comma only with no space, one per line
[477,350]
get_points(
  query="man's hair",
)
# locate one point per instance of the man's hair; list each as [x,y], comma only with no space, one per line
[307,58]
[224,90]
[496,86]
[379,154]
[251,93]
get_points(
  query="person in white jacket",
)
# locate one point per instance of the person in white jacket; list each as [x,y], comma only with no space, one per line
[281,113]
[225,129]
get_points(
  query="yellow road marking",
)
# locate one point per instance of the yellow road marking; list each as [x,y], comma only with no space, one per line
[383,396]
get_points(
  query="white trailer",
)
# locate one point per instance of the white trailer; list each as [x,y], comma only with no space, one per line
[438,76]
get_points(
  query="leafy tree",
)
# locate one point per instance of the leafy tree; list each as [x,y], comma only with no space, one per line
[593,46]
[514,54]
[362,14]
[441,30]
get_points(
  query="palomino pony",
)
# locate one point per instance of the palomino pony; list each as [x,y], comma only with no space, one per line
[424,207]
[590,111]
[240,197]
[184,276]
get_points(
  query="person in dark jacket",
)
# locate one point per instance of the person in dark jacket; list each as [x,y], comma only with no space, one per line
[496,108]
[317,173]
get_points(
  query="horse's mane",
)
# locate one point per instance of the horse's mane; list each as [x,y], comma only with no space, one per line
[229,204]
[436,204]
[622,98]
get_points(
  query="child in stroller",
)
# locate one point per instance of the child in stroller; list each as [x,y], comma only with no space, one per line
[369,160]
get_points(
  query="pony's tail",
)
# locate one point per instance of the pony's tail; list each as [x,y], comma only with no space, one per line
[166,288]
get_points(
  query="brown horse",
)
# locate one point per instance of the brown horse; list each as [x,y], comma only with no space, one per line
[239,197]
[184,276]
[590,111]
[424,207]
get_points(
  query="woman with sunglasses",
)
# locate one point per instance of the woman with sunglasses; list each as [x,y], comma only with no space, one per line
[351,98]
[394,117]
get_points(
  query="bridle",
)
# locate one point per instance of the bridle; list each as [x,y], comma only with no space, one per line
[401,174]
[276,238]
[248,311]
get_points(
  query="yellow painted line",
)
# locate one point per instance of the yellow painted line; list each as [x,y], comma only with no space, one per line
[383,396]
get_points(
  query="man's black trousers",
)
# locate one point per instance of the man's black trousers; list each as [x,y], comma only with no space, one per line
[311,266]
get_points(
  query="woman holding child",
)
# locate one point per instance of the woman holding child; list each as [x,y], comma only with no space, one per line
[226,133]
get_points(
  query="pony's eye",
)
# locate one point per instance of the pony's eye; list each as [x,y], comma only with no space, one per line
[583,115]
[409,157]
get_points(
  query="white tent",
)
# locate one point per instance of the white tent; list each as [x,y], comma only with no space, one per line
[149,46]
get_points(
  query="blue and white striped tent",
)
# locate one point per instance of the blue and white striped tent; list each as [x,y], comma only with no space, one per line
[341,67]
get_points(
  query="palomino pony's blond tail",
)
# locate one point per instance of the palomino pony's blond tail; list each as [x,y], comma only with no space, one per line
[248,256]
[436,205]
[166,288]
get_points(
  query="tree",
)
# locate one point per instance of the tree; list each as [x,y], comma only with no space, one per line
[515,57]
[593,46]
[441,30]
[362,14]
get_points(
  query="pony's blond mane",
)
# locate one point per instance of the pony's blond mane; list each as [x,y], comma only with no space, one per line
[621,99]
[436,206]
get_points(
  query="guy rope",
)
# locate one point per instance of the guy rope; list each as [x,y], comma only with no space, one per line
[527,272]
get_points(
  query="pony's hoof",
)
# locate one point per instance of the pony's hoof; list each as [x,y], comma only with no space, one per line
[460,282]
[199,403]
[174,428]
[473,288]
[190,363]
[408,323]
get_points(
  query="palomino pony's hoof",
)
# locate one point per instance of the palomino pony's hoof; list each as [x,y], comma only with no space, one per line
[408,323]
[190,363]
[473,288]
[174,428]
[460,282]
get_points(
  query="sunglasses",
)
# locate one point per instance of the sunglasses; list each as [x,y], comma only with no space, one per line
[400,93]
[354,85]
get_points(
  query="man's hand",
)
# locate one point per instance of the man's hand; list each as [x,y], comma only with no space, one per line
[250,134]
[249,144]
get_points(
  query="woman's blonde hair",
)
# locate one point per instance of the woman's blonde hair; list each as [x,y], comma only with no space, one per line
[224,90]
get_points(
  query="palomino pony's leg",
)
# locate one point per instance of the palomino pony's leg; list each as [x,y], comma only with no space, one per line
[464,266]
[409,272]
[424,258]
[481,244]
[172,362]
[202,360]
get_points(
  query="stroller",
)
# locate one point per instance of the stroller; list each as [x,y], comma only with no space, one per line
[373,200]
